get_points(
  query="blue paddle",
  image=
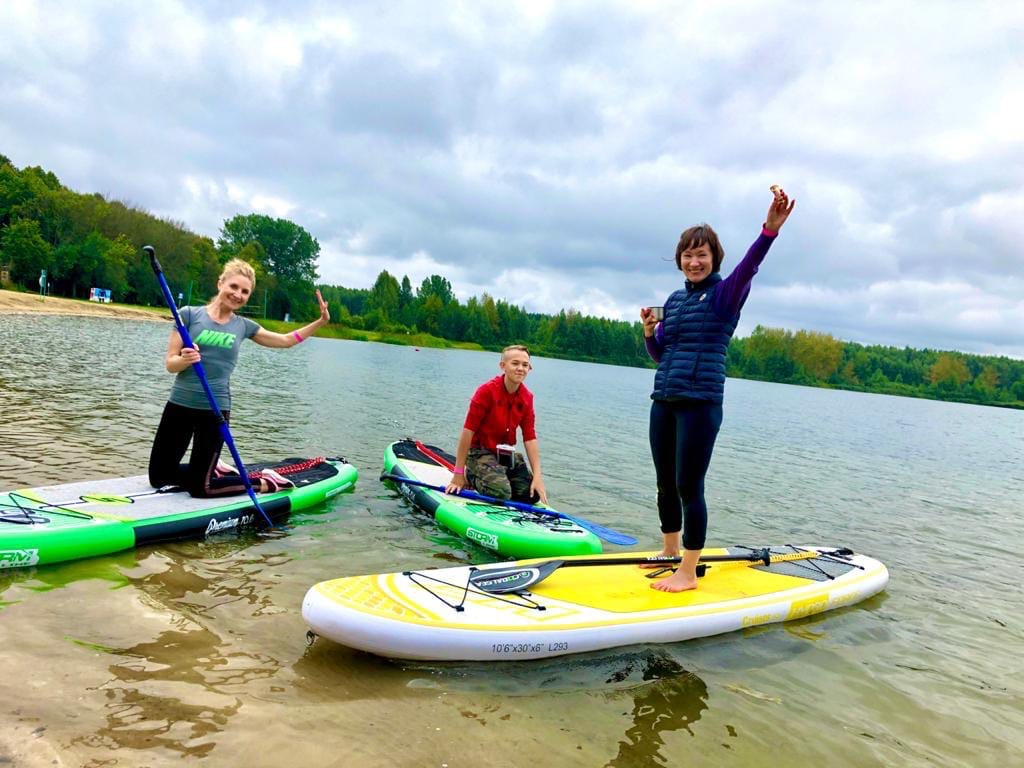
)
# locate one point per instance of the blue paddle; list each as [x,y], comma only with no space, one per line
[222,423]
[613,537]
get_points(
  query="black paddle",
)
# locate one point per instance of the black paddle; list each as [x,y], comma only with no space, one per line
[516,578]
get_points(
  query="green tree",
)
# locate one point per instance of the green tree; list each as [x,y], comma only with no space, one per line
[289,251]
[113,272]
[267,284]
[341,312]
[23,247]
[478,328]
[817,353]
[384,296]
[204,269]
[453,321]
[72,266]
[988,379]
[288,254]
[15,190]
[430,315]
[768,353]
[949,372]
[405,294]
[435,285]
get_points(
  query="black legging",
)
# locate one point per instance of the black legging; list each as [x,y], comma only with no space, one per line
[178,426]
[683,436]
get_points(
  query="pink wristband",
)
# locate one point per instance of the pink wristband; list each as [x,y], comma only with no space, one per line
[768,232]
[458,471]
[298,338]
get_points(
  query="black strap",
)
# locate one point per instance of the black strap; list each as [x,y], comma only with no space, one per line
[523,600]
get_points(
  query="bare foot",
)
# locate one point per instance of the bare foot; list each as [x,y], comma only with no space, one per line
[272,482]
[667,558]
[677,582]
[224,468]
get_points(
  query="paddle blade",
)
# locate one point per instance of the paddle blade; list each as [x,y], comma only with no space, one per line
[607,534]
[500,581]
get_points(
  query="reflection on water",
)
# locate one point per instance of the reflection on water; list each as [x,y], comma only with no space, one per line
[618,669]
[150,696]
[180,689]
[674,703]
[665,697]
[197,648]
[229,574]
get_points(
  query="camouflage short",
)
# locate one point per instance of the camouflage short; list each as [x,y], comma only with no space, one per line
[487,476]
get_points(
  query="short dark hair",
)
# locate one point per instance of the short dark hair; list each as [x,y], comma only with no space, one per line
[697,236]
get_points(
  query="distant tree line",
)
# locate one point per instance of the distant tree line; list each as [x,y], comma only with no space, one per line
[86,240]
[768,354]
[818,359]
[392,306]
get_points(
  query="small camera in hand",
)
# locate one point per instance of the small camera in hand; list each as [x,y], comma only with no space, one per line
[507,456]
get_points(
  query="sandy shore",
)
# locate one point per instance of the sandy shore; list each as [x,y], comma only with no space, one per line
[14,303]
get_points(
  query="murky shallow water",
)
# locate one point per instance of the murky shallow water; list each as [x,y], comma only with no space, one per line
[197,649]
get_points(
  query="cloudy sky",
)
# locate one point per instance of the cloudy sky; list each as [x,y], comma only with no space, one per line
[550,153]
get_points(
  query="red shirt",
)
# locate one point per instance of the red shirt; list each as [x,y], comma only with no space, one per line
[495,414]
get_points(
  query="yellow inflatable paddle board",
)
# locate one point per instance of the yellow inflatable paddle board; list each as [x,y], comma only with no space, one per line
[534,609]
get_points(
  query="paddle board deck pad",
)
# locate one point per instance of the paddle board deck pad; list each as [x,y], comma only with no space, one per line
[509,532]
[56,523]
[437,614]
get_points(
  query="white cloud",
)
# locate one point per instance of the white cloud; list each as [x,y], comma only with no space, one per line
[550,153]
[948,314]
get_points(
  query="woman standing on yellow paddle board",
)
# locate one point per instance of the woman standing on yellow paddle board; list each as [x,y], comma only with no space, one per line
[688,338]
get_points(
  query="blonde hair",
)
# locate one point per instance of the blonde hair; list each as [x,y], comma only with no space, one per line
[239,267]
[514,348]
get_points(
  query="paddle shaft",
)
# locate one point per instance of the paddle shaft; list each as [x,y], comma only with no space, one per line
[759,556]
[518,578]
[763,556]
[614,537]
[222,423]
[467,494]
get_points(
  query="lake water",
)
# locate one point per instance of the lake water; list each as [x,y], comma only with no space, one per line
[197,649]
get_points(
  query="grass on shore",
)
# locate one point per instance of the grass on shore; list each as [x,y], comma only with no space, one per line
[334,331]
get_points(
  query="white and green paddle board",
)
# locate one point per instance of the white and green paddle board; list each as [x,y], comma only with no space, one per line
[56,523]
[508,531]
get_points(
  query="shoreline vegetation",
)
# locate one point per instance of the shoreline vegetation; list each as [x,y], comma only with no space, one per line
[766,355]
[78,242]
[18,303]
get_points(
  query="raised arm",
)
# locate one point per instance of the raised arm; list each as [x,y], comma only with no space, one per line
[266,338]
[733,292]
[779,210]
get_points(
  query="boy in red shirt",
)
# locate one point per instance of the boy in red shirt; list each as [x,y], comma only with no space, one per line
[487,445]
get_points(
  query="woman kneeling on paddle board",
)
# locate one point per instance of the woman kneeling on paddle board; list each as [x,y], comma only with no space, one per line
[219,332]
[688,339]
